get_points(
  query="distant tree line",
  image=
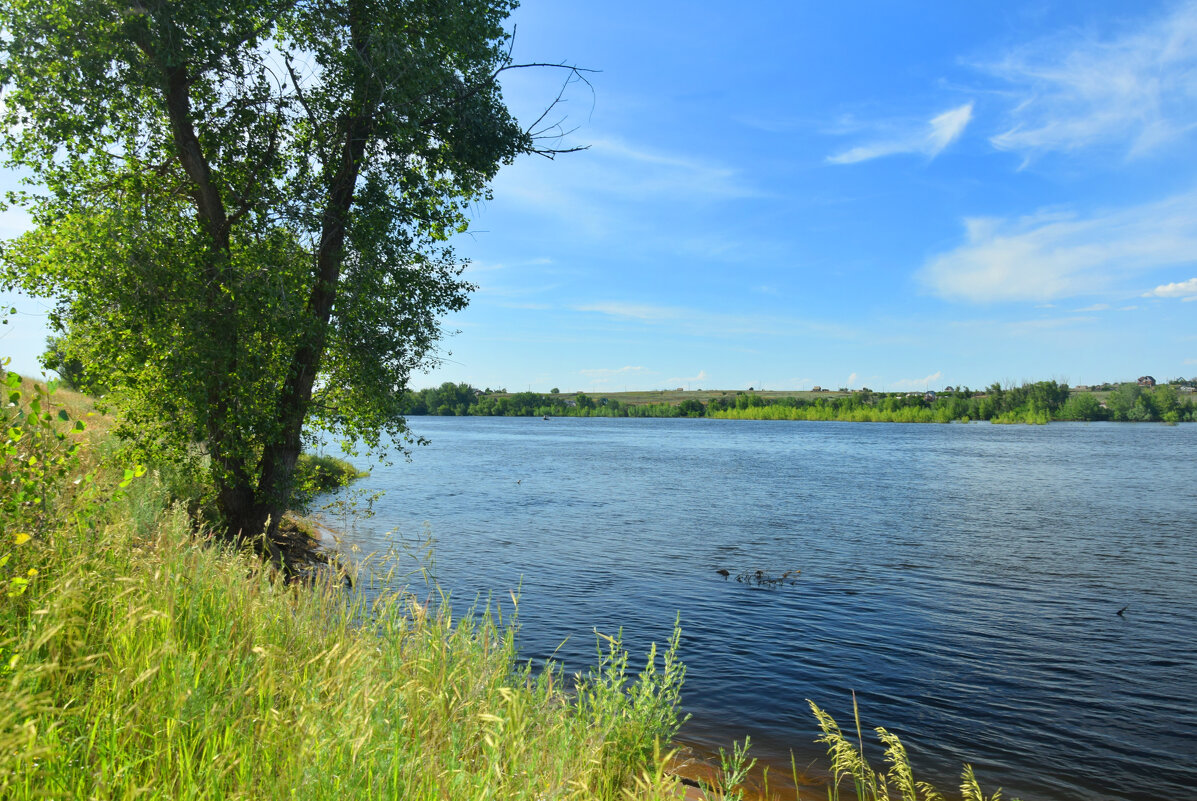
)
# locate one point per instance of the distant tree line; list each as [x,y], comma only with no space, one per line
[463,399]
[1038,402]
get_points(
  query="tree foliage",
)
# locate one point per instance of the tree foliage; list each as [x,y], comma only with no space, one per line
[243,208]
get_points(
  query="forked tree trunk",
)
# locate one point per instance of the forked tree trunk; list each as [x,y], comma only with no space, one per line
[252,501]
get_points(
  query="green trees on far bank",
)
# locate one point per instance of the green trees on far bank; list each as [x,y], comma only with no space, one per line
[1038,402]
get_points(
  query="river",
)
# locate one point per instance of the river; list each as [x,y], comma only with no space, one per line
[964,580]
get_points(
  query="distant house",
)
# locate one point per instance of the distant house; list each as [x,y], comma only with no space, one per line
[929,395]
[1185,388]
[816,388]
[1081,388]
[949,389]
[1146,381]
[680,389]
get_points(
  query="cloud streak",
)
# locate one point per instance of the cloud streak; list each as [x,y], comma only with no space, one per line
[1137,89]
[917,383]
[1181,289]
[929,140]
[1054,255]
[633,311]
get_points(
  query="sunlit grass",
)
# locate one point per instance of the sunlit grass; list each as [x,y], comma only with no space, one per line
[163,667]
[852,774]
[138,659]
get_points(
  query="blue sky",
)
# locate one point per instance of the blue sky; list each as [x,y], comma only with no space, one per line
[870,194]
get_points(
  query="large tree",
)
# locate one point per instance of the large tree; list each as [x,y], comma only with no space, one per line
[242,209]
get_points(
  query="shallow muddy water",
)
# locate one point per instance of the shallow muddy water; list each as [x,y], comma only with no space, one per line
[964,580]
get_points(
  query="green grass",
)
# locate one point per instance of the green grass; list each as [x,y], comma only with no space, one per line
[160,666]
[850,768]
[139,659]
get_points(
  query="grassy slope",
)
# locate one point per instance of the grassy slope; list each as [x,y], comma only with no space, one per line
[143,661]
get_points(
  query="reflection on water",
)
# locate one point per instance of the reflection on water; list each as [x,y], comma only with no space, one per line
[963,580]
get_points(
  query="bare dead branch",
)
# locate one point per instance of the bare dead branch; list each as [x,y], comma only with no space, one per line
[317,131]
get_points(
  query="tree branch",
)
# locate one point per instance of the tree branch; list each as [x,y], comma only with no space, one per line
[321,142]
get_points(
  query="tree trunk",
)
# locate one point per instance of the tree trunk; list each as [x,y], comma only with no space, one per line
[277,470]
[251,510]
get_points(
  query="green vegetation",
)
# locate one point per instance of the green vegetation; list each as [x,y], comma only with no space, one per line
[139,658]
[154,667]
[849,766]
[241,211]
[1038,403]
[323,473]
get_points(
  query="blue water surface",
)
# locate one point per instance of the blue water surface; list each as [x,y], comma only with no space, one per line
[963,580]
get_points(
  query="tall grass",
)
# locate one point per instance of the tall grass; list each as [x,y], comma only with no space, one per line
[161,667]
[850,768]
[140,660]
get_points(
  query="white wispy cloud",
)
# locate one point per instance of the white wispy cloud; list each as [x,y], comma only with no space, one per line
[719,325]
[851,379]
[917,383]
[1052,254]
[1180,289]
[613,167]
[617,192]
[525,306]
[928,139]
[1137,89]
[633,311]
[1036,328]
[1096,307]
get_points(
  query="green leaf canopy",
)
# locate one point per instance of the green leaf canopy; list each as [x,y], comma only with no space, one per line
[243,208]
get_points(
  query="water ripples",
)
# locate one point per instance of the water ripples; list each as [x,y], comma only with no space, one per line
[963,580]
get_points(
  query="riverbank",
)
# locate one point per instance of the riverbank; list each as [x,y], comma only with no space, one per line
[141,657]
